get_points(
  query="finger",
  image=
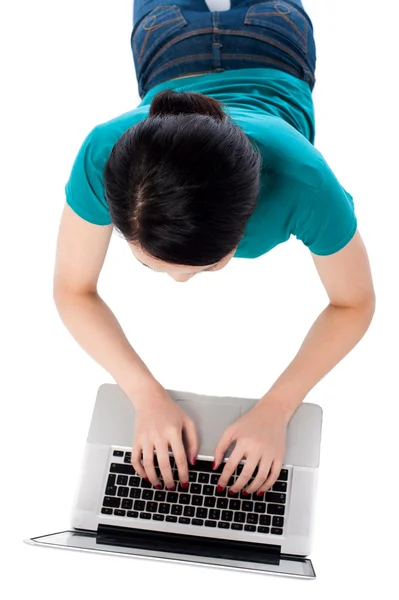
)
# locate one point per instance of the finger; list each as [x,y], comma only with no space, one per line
[230,466]
[148,464]
[272,478]
[246,474]
[163,459]
[192,439]
[224,442]
[136,462]
[180,457]
[260,475]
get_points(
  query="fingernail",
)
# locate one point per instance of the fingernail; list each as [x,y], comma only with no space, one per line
[219,488]
[158,487]
[245,493]
[260,493]
[214,465]
[185,485]
[231,492]
[194,459]
[146,478]
[172,489]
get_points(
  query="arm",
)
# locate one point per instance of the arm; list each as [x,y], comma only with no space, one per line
[81,251]
[347,279]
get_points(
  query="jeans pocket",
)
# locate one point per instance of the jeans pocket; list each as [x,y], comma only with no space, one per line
[283,18]
[154,28]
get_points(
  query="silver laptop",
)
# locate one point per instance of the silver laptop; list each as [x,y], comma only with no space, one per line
[117,512]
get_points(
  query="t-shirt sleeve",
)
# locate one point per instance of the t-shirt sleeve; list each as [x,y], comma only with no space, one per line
[85,188]
[326,220]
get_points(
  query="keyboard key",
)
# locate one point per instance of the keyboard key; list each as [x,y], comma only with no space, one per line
[111,490]
[106,511]
[123,492]
[147,494]
[283,475]
[152,507]
[112,502]
[180,488]
[223,525]
[119,513]
[265,520]
[126,503]
[135,493]
[139,505]
[274,530]
[177,509]
[133,514]
[208,490]
[171,519]
[214,479]
[262,529]
[146,484]
[277,498]
[122,480]
[127,459]
[222,493]
[260,507]
[235,504]
[247,506]
[252,518]
[196,500]
[239,517]
[237,526]
[195,488]
[192,476]
[172,497]
[209,501]
[203,478]
[275,509]
[160,496]
[280,486]
[184,498]
[158,517]
[210,523]
[197,522]
[278,521]
[214,513]
[189,511]
[134,481]
[111,480]
[222,503]
[123,469]
[201,513]
[227,515]
[206,466]
[250,528]
[164,508]
[184,520]
[118,453]
[145,515]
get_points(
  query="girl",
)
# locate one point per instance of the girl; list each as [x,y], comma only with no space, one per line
[217,161]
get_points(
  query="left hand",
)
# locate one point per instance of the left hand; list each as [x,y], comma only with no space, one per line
[260,436]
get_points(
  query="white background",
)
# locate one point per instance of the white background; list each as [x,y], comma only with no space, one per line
[67,66]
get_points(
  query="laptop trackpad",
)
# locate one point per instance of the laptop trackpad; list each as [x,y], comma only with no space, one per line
[211,420]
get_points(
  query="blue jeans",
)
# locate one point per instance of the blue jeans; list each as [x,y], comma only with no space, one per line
[186,38]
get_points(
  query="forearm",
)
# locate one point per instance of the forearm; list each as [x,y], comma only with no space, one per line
[333,335]
[96,329]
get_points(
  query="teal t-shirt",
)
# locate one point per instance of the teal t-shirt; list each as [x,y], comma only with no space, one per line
[299,194]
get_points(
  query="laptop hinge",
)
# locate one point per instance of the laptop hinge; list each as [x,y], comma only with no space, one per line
[188,544]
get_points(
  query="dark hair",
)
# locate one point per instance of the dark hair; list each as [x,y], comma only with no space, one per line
[183,182]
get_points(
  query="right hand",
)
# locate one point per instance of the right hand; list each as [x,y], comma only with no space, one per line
[160,423]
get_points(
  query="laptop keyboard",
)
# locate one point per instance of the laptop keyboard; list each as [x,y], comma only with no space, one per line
[200,505]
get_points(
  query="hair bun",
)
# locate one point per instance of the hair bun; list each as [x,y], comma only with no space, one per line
[170,102]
